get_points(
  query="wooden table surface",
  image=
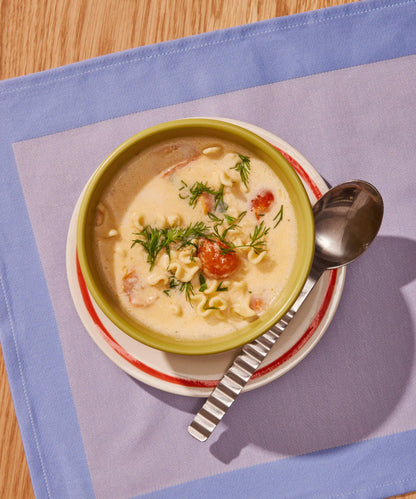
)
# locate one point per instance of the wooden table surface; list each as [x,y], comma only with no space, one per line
[36,35]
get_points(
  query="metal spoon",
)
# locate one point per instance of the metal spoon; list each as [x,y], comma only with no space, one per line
[347,219]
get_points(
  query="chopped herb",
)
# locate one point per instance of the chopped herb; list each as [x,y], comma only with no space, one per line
[205,307]
[184,186]
[167,292]
[219,200]
[221,287]
[192,254]
[258,241]
[183,287]
[203,283]
[278,218]
[198,188]
[233,223]
[185,235]
[189,290]
[154,239]
[173,282]
[243,167]
[214,217]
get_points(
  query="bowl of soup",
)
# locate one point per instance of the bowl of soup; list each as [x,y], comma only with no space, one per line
[195,236]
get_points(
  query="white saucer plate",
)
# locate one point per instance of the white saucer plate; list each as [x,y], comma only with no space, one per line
[196,376]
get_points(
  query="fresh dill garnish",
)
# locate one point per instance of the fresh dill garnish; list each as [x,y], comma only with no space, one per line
[233,223]
[228,223]
[185,235]
[198,188]
[173,282]
[205,306]
[167,292]
[258,241]
[192,253]
[220,287]
[243,167]
[203,283]
[155,239]
[184,186]
[219,199]
[279,217]
[183,287]
[188,288]
[214,217]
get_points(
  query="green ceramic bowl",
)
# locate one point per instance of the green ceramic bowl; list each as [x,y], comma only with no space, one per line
[175,129]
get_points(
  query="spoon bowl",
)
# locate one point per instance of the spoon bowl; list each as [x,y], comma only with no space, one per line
[347,219]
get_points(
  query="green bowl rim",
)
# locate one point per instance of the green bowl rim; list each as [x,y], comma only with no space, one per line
[212,345]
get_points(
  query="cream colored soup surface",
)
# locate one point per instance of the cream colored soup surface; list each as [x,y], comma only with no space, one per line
[158,232]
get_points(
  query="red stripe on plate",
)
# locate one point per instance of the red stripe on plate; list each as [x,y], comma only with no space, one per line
[302,173]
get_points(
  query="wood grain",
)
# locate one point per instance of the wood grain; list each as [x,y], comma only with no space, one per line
[36,35]
[41,34]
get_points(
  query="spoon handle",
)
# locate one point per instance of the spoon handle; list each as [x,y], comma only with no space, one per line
[240,372]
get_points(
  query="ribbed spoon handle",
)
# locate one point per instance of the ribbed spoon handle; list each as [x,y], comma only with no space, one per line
[234,380]
[243,368]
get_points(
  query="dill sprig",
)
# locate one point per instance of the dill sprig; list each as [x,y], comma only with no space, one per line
[258,241]
[198,188]
[243,168]
[184,235]
[221,287]
[232,224]
[202,283]
[206,307]
[279,217]
[183,287]
[155,239]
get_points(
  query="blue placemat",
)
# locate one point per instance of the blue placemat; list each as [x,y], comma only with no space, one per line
[338,84]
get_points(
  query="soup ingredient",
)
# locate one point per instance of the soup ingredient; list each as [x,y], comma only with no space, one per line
[178,155]
[278,218]
[261,204]
[202,189]
[243,167]
[257,304]
[183,287]
[137,293]
[207,202]
[217,262]
[156,239]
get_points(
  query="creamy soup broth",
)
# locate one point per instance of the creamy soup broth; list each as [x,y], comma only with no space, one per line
[233,233]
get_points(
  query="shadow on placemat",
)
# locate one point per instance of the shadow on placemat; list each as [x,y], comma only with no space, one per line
[346,389]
